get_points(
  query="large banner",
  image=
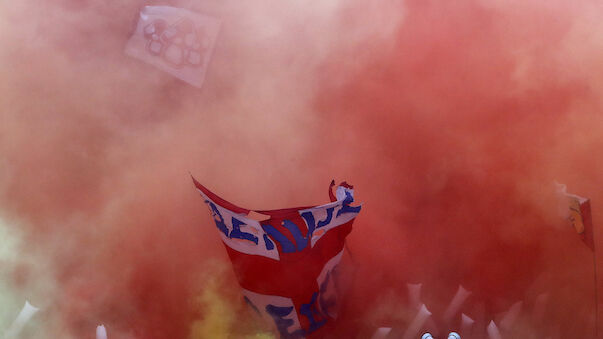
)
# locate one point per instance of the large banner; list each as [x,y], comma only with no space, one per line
[287,264]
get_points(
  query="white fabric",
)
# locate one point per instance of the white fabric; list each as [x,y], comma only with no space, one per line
[260,301]
[321,212]
[250,226]
[328,288]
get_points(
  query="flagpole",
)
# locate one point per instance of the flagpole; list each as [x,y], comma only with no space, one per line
[596,289]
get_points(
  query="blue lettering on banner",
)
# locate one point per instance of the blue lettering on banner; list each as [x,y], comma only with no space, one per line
[237,233]
[327,219]
[282,324]
[326,303]
[268,242]
[346,208]
[217,217]
[309,311]
[310,221]
[300,240]
[309,218]
[236,226]
[286,245]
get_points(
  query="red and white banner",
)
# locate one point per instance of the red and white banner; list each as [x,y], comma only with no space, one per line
[287,264]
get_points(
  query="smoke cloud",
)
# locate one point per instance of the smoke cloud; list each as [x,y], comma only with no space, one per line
[452,120]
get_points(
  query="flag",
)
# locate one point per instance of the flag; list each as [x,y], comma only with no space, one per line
[287,264]
[579,215]
[175,40]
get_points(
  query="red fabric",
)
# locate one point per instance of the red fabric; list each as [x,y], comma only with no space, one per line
[219,200]
[294,275]
[331,194]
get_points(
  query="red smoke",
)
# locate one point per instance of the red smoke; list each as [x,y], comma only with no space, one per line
[452,120]
[460,127]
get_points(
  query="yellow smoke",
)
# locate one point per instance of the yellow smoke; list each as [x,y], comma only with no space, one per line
[219,309]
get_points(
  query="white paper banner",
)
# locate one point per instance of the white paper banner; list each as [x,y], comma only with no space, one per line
[417,323]
[381,333]
[466,324]
[175,40]
[511,316]
[456,303]
[414,295]
[101,332]
[493,332]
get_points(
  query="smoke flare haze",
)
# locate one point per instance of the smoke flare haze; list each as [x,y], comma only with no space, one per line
[452,120]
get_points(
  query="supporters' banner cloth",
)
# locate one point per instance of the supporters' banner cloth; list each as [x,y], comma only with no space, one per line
[175,40]
[287,264]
